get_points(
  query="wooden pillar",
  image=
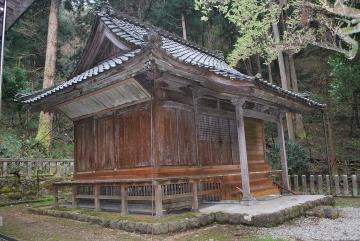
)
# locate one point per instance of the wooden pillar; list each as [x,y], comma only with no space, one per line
[312,184]
[346,185]
[56,196]
[296,183]
[96,197]
[320,184]
[57,168]
[337,185]
[124,200]
[283,157]
[158,199]
[328,185]
[73,196]
[244,167]
[195,200]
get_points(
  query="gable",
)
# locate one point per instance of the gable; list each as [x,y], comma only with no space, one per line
[102,45]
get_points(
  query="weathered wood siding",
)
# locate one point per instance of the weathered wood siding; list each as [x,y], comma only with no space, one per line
[118,141]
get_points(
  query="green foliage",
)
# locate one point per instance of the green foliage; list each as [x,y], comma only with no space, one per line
[298,158]
[15,81]
[10,145]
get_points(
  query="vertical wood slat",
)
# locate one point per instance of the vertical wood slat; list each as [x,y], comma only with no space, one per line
[312,184]
[354,185]
[345,184]
[57,168]
[289,181]
[337,185]
[124,200]
[303,183]
[158,199]
[96,197]
[320,184]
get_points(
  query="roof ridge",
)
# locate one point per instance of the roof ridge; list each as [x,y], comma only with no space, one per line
[148,26]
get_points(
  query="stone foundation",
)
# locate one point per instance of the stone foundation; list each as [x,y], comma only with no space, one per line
[261,220]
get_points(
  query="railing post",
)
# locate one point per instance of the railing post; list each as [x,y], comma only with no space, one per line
[51,168]
[43,167]
[124,200]
[289,181]
[337,185]
[56,196]
[57,169]
[354,185]
[195,201]
[312,184]
[4,168]
[96,197]
[328,187]
[346,185]
[296,183]
[73,196]
[36,167]
[320,184]
[158,199]
[29,169]
[304,184]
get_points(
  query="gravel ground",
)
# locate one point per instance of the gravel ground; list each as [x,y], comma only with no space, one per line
[346,227]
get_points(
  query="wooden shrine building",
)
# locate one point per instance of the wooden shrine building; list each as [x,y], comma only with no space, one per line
[159,120]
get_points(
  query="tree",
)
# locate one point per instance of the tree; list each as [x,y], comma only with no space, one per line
[43,136]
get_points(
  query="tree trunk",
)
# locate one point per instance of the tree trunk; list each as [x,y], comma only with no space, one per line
[43,136]
[183,25]
[284,85]
[258,63]
[299,123]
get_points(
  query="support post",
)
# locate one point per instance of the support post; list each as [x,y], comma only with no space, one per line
[354,185]
[57,169]
[195,200]
[158,199]
[4,169]
[29,169]
[289,180]
[303,183]
[247,198]
[124,200]
[328,186]
[320,184]
[56,196]
[312,184]
[296,183]
[337,185]
[283,157]
[96,197]
[73,196]
[346,185]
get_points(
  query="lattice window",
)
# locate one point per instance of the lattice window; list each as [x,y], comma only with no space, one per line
[212,128]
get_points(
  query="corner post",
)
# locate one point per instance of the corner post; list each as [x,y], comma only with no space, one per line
[283,158]
[244,166]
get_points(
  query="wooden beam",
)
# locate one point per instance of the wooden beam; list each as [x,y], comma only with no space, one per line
[124,200]
[259,115]
[245,180]
[283,158]
[158,199]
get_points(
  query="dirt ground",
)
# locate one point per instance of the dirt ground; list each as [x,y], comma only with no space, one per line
[20,224]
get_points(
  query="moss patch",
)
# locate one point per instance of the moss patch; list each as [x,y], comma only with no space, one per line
[347,202]
[132,217]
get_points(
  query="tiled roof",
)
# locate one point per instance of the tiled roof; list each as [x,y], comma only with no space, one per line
[103,67]
[134,32]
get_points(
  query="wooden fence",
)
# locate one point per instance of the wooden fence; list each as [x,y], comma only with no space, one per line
[338,185]
[36,167]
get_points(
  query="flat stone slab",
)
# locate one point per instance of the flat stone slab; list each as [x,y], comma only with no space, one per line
[260,207]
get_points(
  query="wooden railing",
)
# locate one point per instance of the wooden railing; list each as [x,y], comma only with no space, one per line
[337,185]
[36,167]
